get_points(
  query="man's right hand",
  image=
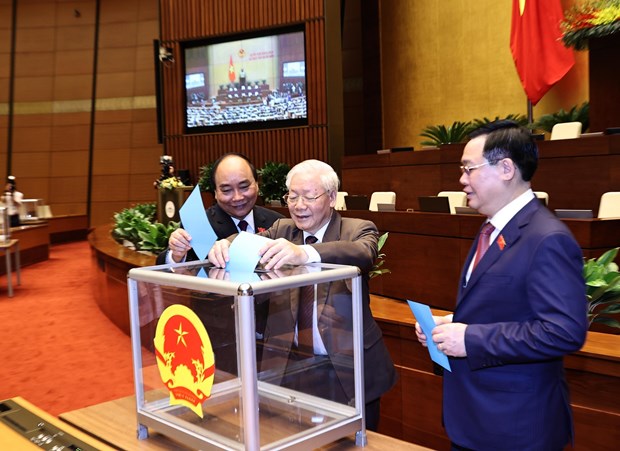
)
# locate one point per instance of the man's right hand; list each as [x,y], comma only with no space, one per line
[438,320]
[218,255]
[179,244]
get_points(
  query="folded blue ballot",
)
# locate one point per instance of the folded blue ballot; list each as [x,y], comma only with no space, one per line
[424,316]
[194,219]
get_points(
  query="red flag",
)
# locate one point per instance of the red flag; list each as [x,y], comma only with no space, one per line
[536,45]
[231,71]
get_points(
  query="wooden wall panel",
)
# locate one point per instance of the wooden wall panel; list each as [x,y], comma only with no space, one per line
[190,19]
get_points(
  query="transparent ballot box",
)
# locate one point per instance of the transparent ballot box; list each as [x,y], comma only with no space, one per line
[224,361]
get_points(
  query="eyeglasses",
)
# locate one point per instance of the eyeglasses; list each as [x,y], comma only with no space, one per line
[467,169]
[292,200]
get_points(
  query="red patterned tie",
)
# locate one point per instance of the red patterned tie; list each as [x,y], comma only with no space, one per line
[243,225]
[483,242]
[306,309]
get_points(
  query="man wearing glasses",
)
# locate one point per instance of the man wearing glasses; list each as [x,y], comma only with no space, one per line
[521,307]
[312,187]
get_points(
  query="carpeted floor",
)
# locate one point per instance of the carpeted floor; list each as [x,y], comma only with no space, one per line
[57,349]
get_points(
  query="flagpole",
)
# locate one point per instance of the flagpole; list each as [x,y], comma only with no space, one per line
[530,112]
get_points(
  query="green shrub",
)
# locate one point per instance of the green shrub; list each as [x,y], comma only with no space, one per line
[138,226]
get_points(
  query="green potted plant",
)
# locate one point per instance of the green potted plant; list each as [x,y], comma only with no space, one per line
[137,229]
[440,134]
[273,182]
[377,268]
[603,289]
[579,113]
[518,118]
[207,190]
[204,180]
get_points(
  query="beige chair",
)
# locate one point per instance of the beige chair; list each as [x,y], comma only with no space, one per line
[566,130]
[542,195]
[44,211]
[381,197]
[340,203]
[456,199]
[610,205]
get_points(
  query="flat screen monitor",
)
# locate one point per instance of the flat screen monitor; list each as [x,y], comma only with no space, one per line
[568,213]
[356,202]
[434,204]
[246,81]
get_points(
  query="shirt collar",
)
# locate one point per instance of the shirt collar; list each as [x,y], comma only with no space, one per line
[249,219]
[319,234]
[503,217]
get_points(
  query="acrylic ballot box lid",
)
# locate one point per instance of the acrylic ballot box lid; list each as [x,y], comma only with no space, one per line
[218,363]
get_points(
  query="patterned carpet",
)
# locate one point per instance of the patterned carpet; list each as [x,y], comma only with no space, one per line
[57,349]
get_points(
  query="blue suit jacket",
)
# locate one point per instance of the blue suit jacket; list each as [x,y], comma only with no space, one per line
[525,307]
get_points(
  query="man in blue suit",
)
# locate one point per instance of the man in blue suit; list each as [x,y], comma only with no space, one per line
[520,309]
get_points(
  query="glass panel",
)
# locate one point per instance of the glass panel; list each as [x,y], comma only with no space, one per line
[304,378]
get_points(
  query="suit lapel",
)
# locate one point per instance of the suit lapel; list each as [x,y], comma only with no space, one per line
[508,236]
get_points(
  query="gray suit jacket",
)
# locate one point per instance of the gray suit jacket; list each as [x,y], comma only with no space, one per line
[347,241]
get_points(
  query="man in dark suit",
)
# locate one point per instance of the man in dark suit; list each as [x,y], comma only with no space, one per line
[234,179]
[311,200]
[521,307]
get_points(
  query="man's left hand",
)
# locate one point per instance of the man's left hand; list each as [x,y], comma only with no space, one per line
[281,252]
[450,339]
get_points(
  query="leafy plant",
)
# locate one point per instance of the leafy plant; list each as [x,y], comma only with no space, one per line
[440,134]
[377,269]
[155,238]
[603,288]
[204,180]
[138,226]
[518,118]
[273,180]
[579,113]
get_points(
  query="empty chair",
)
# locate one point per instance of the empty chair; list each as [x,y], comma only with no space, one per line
[381,197]
[543,196]
[610,205]
[456,199]
[566,130]
[340,204]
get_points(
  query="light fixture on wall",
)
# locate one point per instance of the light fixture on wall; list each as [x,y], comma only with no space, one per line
[165,54]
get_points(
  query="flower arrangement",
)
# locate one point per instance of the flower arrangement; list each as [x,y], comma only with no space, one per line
[591,19]
[171,183]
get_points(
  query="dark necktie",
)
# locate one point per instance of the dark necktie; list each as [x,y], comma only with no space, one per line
[243,225]
[306,308]
[483,242]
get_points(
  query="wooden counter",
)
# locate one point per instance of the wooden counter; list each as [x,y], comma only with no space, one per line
[115,422]
[574,172]
[412,410]
[112,262]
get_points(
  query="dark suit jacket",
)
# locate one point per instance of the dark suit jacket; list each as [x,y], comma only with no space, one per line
[347,241]
[525,307]
[223,226]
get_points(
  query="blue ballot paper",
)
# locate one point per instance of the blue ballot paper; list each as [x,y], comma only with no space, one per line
[195,221]
[424,316]
[243,253]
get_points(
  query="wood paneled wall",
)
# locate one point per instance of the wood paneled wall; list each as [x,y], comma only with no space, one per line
[69,57]
[190,19]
